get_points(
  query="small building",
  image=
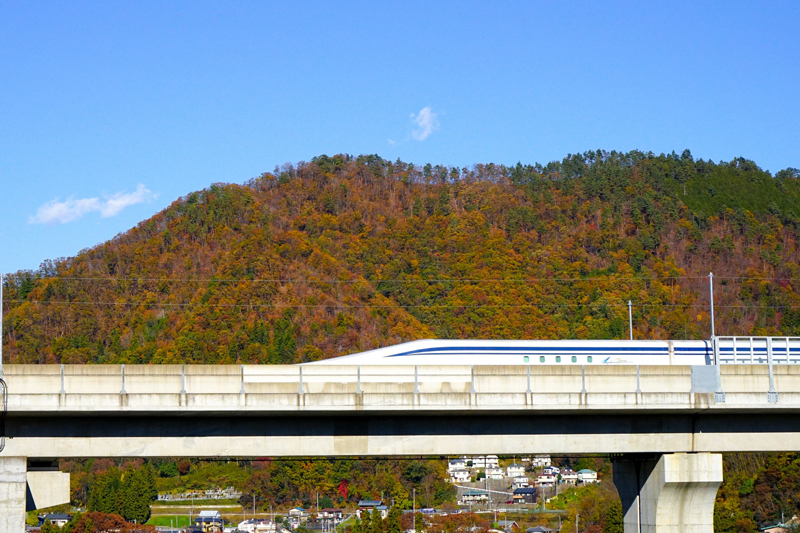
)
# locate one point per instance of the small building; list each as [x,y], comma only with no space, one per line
[209,521]
[551,470]
[460,476]
[540,461]
[520,482]
[474,496]
[524,495]
[57,519]
[492,461]
[478,461]
[569,476]
[298,512]
[494,472]
[540,529]
[515,470]
[335,514]
[456,464]
[587,476]
[546,480]
[507,525]
[369,505]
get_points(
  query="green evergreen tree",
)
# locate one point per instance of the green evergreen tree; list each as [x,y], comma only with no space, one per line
[88,526]
[376,522]
[357,528]
[614,518]
[47,527]
[393,520]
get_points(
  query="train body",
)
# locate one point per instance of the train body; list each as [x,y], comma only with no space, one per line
[729,350]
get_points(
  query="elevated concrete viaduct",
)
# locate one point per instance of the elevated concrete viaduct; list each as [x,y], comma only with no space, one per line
[665,425]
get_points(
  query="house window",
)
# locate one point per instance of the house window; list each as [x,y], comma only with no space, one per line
[526,358]
[558,359]
[589,359]
[574,359]
[541,359]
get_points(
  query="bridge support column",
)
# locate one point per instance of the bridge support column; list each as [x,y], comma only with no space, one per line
[13,484]
[673,493]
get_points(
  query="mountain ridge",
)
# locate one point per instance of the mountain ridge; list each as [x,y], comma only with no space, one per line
[343,254]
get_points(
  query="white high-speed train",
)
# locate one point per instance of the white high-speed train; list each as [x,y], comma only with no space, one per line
[754,350]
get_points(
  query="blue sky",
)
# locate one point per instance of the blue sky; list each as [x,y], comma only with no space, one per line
[109,111]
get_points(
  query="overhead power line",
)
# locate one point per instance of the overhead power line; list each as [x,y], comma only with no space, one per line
[394,306]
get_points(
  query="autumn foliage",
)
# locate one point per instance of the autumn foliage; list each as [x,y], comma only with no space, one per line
[344,254]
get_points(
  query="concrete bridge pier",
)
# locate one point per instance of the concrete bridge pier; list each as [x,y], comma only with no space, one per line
[671,493]
[26,487]
[13,489]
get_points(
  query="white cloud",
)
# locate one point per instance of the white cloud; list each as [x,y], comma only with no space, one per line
[56,212]
[426,123]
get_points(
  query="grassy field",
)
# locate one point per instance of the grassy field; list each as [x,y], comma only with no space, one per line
[183,521]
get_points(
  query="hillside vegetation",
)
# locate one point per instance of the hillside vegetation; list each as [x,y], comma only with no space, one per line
[343,254]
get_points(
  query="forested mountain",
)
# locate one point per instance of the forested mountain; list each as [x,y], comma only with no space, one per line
[343,254]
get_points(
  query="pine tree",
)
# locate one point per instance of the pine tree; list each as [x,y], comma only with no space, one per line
[614,519]
[356,526]
[393,520]
[376,523]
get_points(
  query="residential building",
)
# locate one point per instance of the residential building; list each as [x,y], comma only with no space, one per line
[520,482]
[369,505]
[515,470]
[508,525]
[540,461]
[525,459]
[492,461]
[330,513]
[474,496]
[551,469]
[587,476]
[546,480]
[494,472]
[524,495]
[569,476]
[57,519]
[460,476]
[456,464]
[479,461]
[209,521]
[540,529]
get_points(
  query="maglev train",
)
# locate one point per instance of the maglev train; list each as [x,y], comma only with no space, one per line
[532,352]
[741,350]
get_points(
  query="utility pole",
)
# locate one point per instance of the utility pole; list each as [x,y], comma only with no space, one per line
[630,318]
[577,516]
[414,509]
[711,292]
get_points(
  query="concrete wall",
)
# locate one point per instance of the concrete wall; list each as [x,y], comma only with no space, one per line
[48,388]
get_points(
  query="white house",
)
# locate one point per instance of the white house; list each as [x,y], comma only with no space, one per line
[479,461]
[494,472]
[546,480]
[551,470]
[539,461]
[569,476]
[460,476]
[456,464]
[587,476]
[515,470]
[521,482]
[474,496]
[492,461]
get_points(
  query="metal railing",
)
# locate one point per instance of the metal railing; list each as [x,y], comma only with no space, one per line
[757,350]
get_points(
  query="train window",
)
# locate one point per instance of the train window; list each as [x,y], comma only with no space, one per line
[541,359]
[574,359]
[589,359]
[558,359]
[526,358]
